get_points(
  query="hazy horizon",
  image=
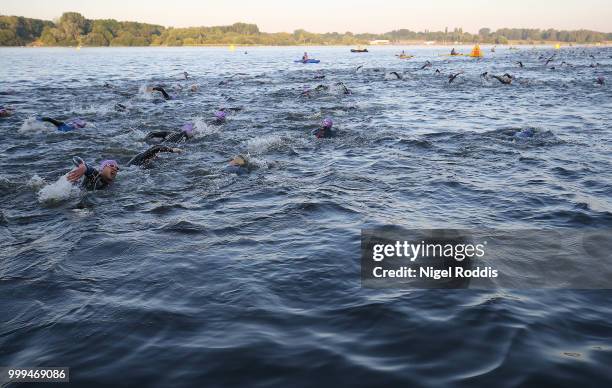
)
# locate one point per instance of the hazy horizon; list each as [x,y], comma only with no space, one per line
[320,16]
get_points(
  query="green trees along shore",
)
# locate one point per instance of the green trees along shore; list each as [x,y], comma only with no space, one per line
[73,29]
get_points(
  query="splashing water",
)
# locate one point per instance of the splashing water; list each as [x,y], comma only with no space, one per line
[32,125]
[57,191]
[261,145]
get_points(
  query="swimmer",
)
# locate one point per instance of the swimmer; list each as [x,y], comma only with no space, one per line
[453,52]
[146,157]
[61,126]
[452,77]
[185,75]
[426,65]
[325,130]
[319,88]
[239,165]
[520,64]
[358,68]
[120,107]
[485,75]
[505,79]
[396,74]
[437,72]
[162,91]
[525,133]
[319,75]
[95,179]
[601,80]
[6,111]
[220,116]
[187,132]
[343,87]
[550,59]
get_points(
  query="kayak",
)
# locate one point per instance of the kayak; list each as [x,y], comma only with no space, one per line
[308,61]
[452,55]
[359,51]
[405,56]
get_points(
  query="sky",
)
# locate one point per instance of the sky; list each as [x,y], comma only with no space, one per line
[335,15]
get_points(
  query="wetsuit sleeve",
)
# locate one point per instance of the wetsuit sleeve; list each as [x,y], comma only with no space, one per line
[146,156]
[90,171]
[162,91]
[157,134]
[57,123]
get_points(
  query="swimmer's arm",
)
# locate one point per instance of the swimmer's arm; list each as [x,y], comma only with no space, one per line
[152,152]
[83,169]
[157,134]
[57,123]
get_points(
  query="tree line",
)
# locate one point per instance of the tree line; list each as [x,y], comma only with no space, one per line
[73,29]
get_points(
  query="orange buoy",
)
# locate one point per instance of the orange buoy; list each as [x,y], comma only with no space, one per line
[476,53]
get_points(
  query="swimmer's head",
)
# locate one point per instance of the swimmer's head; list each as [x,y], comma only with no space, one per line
[220,115]
[109,169]
[188,129]
[239,160]
[77,123]
[327,123]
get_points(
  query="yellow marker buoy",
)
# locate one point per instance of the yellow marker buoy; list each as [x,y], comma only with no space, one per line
[232,48]
[557,46]
[476,53]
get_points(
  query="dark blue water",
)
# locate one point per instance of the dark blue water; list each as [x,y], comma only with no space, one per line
[183,275]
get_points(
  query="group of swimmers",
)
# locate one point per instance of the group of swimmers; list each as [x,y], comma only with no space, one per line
[102,176]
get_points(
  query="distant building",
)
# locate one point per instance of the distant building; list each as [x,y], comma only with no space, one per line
[380,41]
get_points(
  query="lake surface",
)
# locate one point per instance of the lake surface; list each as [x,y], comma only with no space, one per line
[184,275]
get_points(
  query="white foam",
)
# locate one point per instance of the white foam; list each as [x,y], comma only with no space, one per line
[36,182]
[59,190]
[31,125]
[204,129]
[262,144]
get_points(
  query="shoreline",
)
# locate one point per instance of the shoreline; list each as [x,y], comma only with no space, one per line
[398,44]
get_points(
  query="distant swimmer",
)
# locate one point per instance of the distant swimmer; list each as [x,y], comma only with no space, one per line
[550,59]
[396,74]
[453,52]
[319,75]
[185,75]
[239,165]
[146,157]
[437,71]
[120,107]
[358,68]
[452,77]
[95,179]
[485,75]
[505,79]
[220,116]
[520,64]
[5,111]
[187,132]
[525,133]
[601,80]
[325,130]
[318,89]
[342,86]
[162,91]
[426,65]
[67,126]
